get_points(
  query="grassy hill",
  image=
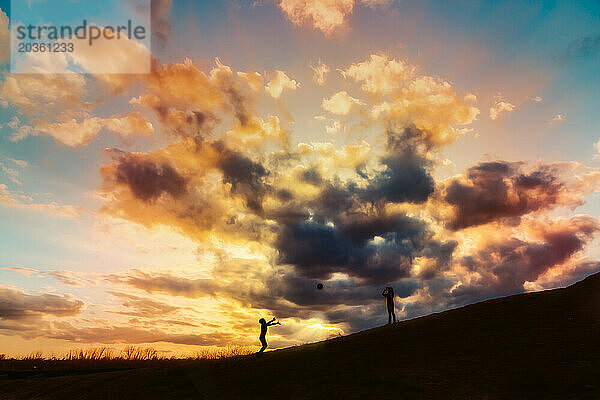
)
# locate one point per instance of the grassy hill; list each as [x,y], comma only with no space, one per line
[543,345]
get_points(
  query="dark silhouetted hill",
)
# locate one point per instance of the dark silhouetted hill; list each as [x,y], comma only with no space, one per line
[543,345]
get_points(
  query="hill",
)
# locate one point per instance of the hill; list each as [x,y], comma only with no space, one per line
[543,345]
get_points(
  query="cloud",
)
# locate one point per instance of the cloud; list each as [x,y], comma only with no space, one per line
[494,190]
[245,176]
[333,128]
[558,118]
[75,133]
[148,180]
[10,199]
[500,107]
[141,306]
[379,74]
[340,103]
[320,73]
[160,20]
[374,250]
[4,39]
[376,3]
[275,219]
[45,95]
[11,174]
[280,82]
[18,305]
[582,48]
[20,163]
[504,266]
[430,104]
[173,285]
[324,15]
[64,277]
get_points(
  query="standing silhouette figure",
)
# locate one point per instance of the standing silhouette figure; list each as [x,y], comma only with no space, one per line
[388,293]
[263,332]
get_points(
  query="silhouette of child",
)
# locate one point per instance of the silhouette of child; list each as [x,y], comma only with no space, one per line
[388,293]
[263,332]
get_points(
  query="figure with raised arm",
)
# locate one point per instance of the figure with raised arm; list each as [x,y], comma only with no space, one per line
[263,332]
[388,293]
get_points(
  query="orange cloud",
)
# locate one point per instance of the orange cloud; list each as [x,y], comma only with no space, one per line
[324,15]
[500,107]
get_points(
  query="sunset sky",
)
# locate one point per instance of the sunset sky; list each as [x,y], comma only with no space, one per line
[450,149]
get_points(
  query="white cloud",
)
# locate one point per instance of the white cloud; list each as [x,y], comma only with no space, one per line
[340,103]
[500,107]
[280,82]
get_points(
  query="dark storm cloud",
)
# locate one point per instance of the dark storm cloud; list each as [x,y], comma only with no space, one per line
[245,176]
[18,305]
[318,250]
[496,190]
[147,179]
[360,228]
[311,176]
[406,177]
[333,200]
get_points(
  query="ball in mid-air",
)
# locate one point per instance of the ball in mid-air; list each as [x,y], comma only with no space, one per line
[319,286]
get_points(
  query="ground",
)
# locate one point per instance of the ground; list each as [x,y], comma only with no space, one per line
[543,345]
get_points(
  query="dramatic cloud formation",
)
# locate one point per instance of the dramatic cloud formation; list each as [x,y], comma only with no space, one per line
[500,190]
[349,217]
[274,211]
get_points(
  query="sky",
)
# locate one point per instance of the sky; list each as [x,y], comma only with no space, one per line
[447,149]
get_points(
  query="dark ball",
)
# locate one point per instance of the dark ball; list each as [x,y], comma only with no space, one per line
[319,286]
